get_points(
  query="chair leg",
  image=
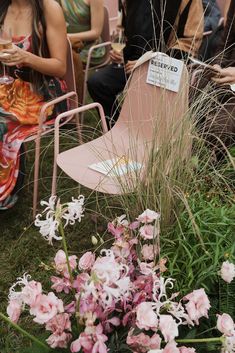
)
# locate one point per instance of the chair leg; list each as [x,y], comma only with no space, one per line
[85,89]
[83,103]
[36,174]
[54,179]
[79,128]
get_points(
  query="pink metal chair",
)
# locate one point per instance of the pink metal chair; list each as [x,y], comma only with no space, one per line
[146,117]
[112,7]
[44,127]
[105,35]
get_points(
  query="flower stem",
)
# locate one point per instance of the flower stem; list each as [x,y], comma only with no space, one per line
[66,252]
[201,340]
[25,333]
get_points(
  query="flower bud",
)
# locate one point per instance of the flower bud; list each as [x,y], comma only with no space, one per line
[94,240]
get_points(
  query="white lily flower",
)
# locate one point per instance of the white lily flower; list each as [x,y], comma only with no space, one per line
[122,221]
[74,210]
[160,287]
[48,228]
[55,212]
[50,204]
[160,297]
[177,310]
[20,281]
[109,281]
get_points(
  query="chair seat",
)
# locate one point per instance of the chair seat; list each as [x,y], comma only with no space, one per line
[113,144]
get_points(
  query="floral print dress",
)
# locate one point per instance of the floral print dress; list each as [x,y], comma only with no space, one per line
[19,111]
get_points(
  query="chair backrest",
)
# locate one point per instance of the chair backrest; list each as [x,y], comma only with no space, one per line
[151,112]
[152,119]
[112,7]
[105,35]
[69,76]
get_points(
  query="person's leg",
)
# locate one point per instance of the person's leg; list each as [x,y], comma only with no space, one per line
[104,85]
[209,44]
[221,125]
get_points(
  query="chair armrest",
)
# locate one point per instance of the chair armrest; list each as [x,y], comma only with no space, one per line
[101,45]
[73,112]
[42,116]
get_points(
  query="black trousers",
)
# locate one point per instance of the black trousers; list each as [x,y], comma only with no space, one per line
[209,44]
[104,86]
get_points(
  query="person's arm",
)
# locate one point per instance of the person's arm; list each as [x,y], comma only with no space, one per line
[57,44]
[97,21]
[227,75]
[190,40]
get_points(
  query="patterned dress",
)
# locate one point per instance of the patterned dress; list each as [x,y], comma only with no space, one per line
[78,18]
[19,112]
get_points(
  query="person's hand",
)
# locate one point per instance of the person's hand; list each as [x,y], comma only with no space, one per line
[116,57]
[226,76]
[129,66]
[14,56]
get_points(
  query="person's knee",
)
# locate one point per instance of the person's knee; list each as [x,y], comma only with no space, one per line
[93,84]
[96,82]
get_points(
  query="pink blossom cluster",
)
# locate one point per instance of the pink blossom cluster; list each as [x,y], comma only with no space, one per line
[120,288]
[227,271]
[103,289]
[63,283]
[46,309]
[127,286]
[226,326]
[164,316]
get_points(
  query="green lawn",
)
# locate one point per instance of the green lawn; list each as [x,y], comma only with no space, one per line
[194,246]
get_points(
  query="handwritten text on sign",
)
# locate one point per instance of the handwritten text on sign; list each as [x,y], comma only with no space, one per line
[165,72]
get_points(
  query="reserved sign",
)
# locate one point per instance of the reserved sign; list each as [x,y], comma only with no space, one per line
[165,72]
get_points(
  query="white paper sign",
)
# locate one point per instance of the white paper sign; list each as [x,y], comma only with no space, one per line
[116,166]
[165,72]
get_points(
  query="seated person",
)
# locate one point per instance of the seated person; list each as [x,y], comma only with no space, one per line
[37,62]
[180,35]
[219,123]
[84,19]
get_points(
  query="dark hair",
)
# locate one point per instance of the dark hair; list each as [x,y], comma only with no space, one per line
[39,40]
